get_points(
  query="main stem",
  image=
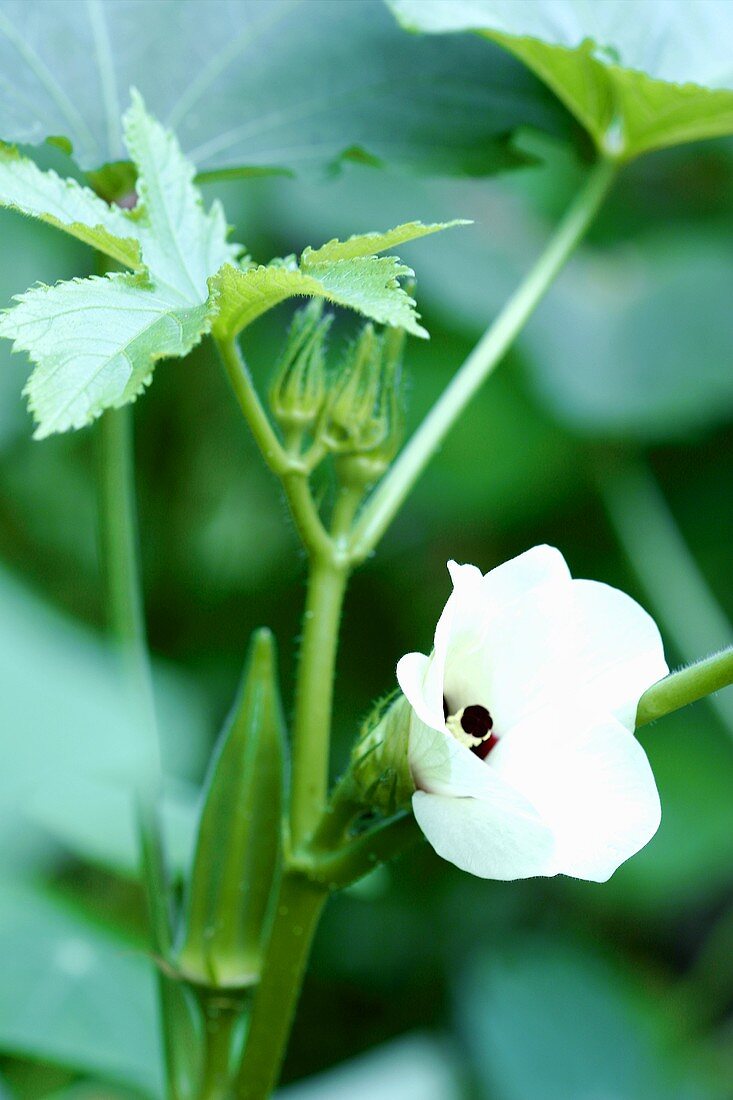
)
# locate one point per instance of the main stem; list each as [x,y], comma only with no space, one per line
[298,909]
[314,697]
[390,494]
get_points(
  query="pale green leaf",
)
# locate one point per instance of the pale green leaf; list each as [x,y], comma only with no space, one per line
[74,993]
[95,342]
[182,244]
[67,205]
[367,284]
[660,77]
[252,84]
[369,244]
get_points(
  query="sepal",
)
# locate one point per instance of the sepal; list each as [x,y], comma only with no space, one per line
[379,770]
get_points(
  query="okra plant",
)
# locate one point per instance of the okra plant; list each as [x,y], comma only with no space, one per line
[510,744]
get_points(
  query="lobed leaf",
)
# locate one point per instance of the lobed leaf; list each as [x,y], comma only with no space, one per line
[636,84]
[253,84]
[68,205]
[183,245]
[369,244]
[95,342]
[367,284]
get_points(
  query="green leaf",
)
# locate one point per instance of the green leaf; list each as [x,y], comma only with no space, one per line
[416,1066]
[632,342]
[76,751]
[369,244]
[367,284]
[74,994]
[95,342]
[635,83]
[182,244]
[540,1016]
[68,205]
[262,83]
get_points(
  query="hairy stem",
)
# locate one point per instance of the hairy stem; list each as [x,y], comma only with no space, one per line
[314,697]
[299,906]
[395,486]
[681,688]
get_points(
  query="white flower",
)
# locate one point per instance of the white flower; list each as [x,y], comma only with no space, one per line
[521,738]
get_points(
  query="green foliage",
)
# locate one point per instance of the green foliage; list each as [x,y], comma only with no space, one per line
[644,353]
[51,959]
[182,244]
[67,205]
[254,85]
[370,244]
[366,284]
[538,1010]
[96,342]
[636,83]
[348,273]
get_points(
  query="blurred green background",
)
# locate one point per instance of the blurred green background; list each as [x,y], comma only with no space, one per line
[607,432]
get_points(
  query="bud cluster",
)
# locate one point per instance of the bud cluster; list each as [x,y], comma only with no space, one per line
[351,409]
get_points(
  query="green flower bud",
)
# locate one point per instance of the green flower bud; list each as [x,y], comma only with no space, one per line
[298,391]
[379,769]
[238,846]
[347,423]
[382,433]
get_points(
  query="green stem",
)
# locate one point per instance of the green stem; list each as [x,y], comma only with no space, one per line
[221,1017]
[314,697]
[119,531]
[298,908]
[395,486]
[336,869]
[119,544]
[293,472]
[686,686]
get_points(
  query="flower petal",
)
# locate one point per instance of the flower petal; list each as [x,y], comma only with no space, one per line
[591,784]
[556,645]
[442,765]
[540,565]
[499,837]
[621,653]
[421,681]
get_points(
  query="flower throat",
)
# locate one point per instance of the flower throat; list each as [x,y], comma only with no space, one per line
[472,726]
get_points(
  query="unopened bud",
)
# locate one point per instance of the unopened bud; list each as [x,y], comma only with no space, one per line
[347,421]
[379,768]
[299,389]
[382,432]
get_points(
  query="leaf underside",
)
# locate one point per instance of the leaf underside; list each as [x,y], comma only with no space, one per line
[95,342]
[635,84]
[264,85]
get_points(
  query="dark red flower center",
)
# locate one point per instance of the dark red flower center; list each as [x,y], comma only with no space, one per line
[477,722]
